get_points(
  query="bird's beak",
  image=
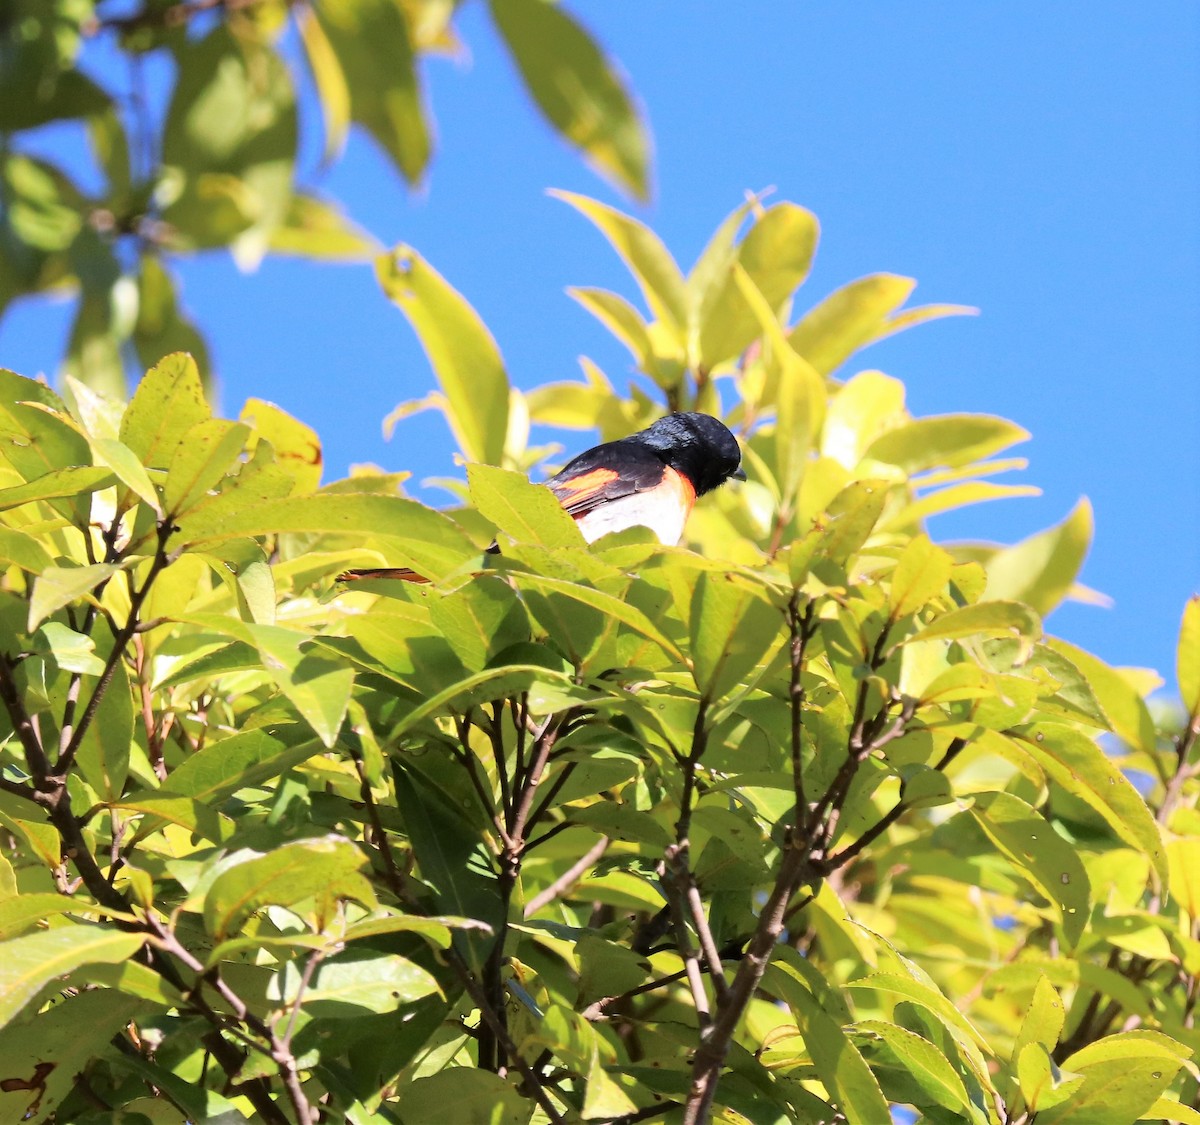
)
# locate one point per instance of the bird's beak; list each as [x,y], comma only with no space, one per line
[739,473]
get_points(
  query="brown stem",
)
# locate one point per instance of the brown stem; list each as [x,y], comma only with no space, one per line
[568,878]
[120,642]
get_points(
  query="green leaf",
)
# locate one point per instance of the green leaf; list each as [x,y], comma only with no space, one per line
[451,860]
[354,983]
[921,575]
[162,326]
[105,748]
[332,89]
[1187,659]
[528,512]
[925,996]
[56,1046]
[36,438]
[606,604]
[621,319]
[849,319]
[29,963]
[123,461]
[59,586]
[323,868]
[241,761]
[315,228]
[1082,768]
[951,440]
[1041,1082]
[482,687]
[207,452]
[478,1098]
[1168,1109]
[318,687]
[775,255]
[928,1066]
[23,912]
[460,348]
[580,92]
[1123,1075]
[73,482]
[163,806]
[372,47]
[850,519]
[642,251]
[1044,1018]
[986,619]
[1031,844]
[1115,697]
[1040,570]
[731,628]
[838,1063]
[167,405]
[417,536]
[19,549]
[480,620]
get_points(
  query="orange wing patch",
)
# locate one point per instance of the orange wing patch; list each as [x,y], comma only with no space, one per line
[575,493]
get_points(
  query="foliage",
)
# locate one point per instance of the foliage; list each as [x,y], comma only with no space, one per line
[806,821]
[217,164]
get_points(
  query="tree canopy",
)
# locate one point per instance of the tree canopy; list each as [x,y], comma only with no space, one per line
[806,820]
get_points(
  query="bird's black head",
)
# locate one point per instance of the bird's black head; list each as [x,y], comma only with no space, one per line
[697,445]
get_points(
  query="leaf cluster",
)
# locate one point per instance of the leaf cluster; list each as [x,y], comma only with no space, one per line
[808,822]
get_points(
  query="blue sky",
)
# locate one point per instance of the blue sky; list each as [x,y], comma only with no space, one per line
[1038,161]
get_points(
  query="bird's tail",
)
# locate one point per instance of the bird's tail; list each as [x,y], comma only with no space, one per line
[397,573]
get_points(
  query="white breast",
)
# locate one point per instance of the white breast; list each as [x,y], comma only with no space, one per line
[658,510]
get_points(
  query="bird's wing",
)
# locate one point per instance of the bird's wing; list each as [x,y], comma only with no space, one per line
[607,472]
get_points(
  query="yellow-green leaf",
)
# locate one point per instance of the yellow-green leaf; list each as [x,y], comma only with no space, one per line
[647,258]
[1187,660]
[29,963]
[463,354]
[1041,569]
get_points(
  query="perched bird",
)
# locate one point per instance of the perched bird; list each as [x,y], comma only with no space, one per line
[649,479]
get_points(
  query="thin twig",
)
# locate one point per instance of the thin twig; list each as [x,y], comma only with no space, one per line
[568,878]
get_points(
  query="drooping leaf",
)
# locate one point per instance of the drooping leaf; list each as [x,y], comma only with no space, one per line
[577,88]
[1030,842]
[372,55]
[1082,768]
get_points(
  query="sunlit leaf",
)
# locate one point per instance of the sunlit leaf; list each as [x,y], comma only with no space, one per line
[528,512]
[643,253]
[323,868]
[1039,570]
[463,354]
[30,962]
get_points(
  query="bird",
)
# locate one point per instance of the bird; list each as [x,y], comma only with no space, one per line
[650,479]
